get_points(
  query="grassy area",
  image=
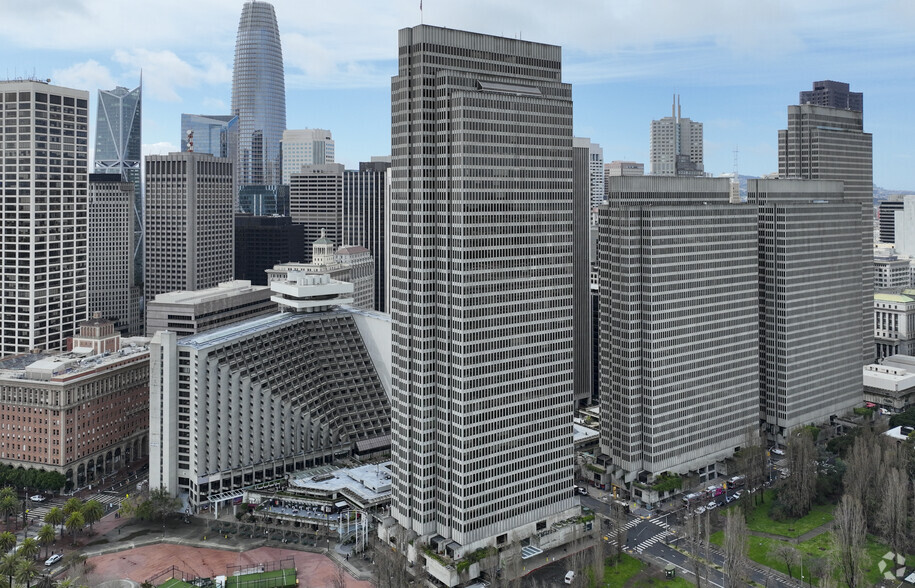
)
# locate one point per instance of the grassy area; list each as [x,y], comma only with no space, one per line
[276,579]
[758,519]
[617,576]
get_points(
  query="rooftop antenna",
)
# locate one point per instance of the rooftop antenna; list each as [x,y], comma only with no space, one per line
[420,11]
[736,158]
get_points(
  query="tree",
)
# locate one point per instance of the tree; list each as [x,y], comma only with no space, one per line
[29,549]
[865,460]
[8,565]
[7,541]
[71,506]
[158,506]
[26,571]
[55,517]
[894,508]
[735,547]
[753,462]
[46,537]
[75,522]
[850,532]
[45,581]
[93,511]
[618,517]
[8,506]
[800,486]
[787,554]
[822,569]
[390,562]
[693,533]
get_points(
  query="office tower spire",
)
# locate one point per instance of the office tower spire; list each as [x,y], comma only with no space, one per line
[258,95]
[675,145]
[481,289]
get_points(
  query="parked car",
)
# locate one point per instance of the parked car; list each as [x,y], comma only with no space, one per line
[700,510]
[37,498]
[53,559]
[711,505]
[570,577]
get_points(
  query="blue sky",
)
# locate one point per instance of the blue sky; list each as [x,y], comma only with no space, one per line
[736,64]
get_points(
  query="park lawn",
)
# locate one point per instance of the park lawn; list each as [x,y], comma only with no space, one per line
[617,576]
[758,519]
[758,550]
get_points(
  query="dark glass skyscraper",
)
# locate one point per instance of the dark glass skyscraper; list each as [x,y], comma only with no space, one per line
[118,150]
[258,95]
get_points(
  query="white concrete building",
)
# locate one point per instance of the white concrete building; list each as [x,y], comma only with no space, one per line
[196,311]
[675,145]
[890,384]
[894,323]
[305,147]
[44,143]
[596,173]
[891,274]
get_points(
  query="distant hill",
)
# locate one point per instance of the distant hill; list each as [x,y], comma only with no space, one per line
[881,194]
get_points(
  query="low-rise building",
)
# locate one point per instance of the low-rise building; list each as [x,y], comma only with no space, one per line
[189,312]
[894,323]
[84,413]
[890,384]
[891,274]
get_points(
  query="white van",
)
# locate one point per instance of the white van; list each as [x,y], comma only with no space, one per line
[570,576]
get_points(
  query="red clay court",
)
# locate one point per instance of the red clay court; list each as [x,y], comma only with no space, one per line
[314,570]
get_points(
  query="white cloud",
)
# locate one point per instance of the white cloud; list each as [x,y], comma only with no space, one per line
[88,75]
[161,148]
[164,73]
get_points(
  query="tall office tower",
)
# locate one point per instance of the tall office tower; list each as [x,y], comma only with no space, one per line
[596,173]
[316,202]
[364,195]
[264,241]
[264,200]
[582,201]
[119,150]
[675,145]
[481,290]
[825,143]
[189,222]
[216,134]
[679,365]
[833,95]
[258,95]
[44,243]
[111,252]
[886,218]
[809,300]
[305,147]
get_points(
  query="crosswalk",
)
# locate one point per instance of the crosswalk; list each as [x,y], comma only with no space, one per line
[651,541]
[110,502]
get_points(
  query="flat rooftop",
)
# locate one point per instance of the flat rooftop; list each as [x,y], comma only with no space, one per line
[223,290]
[62,366]
[370,482]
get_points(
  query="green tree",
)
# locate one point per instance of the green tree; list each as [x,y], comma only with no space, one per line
[73,505]
[46,581]
[93,511]
[158,506]
[75,522]
[55,517]
[7,541]
[29,548]
[8,565]
[26,571]
[46,537]
[8,506]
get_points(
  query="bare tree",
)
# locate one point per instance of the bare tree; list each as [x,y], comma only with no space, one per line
[799,488]
[822,569]
[893,510]
[618,515]
[693,534]
[864,465]
[511,564]
[787,554]
[753,462]
[390,563]
[850,531]
[735,547]
[598,555]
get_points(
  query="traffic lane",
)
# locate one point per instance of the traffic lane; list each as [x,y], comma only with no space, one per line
[552,575]
[666,554]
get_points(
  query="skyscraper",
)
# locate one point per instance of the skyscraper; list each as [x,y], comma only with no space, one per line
[833,95]
[584,164]
[119,150]
[481,290]
[189,222]
[364,195]
[596,173]
[316,202]
[111,251]
[675,145]
[827,143]
[305,147]
[44,241]
[216,134]
[258,95]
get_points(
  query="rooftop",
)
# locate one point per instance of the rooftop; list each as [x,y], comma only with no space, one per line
[61,367]
[370,482]
[893,298]
[223,290]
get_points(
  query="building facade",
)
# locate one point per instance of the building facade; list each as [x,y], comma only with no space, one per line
[216,134]
[364,196]
[264,241]
[84,414]
[596,173]
[675,145]
[827,143]
[833,95]
[264,200]
[188,313]
[258,96]
[894,324]
[886,218]
[189,222]
[111,275]
[583,200]
[305,147]
[891,274]
[45,237]
[316,203]
[679,326]
[481,289]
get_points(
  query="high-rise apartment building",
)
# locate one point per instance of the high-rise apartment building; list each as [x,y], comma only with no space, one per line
[679,326]
[111,275]
[833,95]
[119,150]
[258,95]
[316,202]
[809,301]
[189,222]
[216,134]
[305,147]
[827,143]
[44,243]
[675,145]
[481,290]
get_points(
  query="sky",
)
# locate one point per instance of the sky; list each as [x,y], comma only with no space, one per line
[736,64]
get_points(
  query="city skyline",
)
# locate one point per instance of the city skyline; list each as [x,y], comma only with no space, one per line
[727,62]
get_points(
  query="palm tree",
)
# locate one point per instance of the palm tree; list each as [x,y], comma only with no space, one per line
[8,506]
[7,491]
[93,511]
[55,517]
[29,549]
[73,505]
[46,581]
[8,565]
[46,536]
[26,571]
[7,541]
[75,522]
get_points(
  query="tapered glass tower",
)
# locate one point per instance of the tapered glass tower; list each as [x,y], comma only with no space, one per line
[258,95]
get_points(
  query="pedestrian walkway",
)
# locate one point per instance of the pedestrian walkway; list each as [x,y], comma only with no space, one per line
[651,541]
